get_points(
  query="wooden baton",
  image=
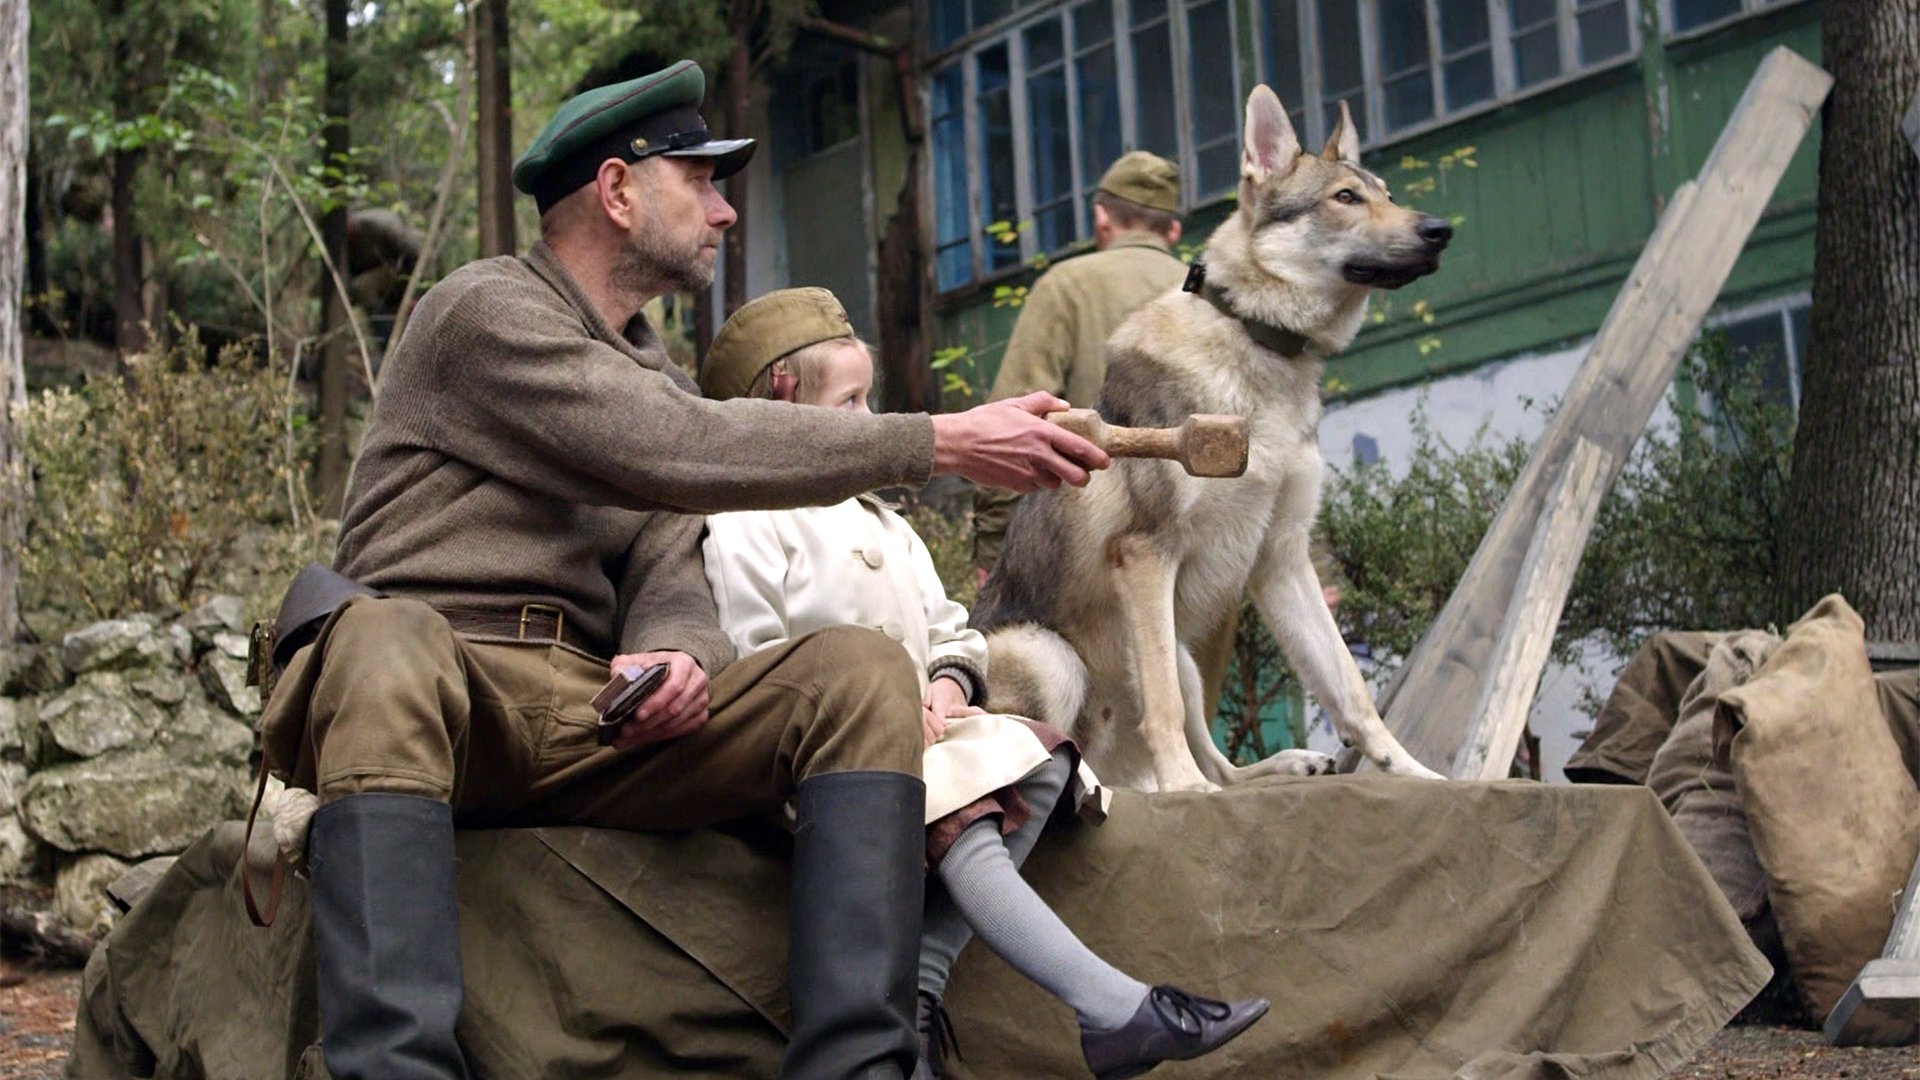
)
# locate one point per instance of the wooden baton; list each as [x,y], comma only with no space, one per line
[1205,444]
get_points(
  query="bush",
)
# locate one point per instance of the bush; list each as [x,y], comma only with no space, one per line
[143,485]
[1688,538]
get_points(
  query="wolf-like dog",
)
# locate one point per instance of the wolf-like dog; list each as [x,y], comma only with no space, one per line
[1101,592]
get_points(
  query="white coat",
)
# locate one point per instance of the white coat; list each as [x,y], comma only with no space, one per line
[778,574]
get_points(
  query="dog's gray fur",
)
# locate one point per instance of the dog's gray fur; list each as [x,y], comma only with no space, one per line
[1102,591]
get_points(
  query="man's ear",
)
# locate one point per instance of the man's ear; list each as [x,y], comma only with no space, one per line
[1268,145]
[1344,143]
[619,193]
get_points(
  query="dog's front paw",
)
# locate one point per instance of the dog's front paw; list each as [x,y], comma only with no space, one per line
[1303,763]
[1405,765]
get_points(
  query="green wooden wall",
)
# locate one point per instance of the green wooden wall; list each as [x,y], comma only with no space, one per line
[1563,189]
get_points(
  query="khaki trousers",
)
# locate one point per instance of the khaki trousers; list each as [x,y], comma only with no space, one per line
[390,699]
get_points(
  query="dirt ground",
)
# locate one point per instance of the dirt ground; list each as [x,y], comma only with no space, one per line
[37,1007]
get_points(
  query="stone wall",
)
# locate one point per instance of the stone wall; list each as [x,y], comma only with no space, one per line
[122,743]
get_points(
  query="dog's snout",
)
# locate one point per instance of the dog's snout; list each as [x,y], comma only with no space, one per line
[1435,231]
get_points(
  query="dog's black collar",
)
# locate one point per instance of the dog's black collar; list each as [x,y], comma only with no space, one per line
[1278,338]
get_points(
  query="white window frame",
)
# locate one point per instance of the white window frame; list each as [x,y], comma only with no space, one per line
[1011,33]
[1780,308]
[1500,39]
[1748,8]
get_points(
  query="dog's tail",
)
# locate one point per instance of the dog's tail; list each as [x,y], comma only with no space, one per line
[1035,673]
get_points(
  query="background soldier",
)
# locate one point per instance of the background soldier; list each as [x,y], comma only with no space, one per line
[1059,344]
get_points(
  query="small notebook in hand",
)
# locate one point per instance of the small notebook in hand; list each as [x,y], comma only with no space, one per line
[623,693]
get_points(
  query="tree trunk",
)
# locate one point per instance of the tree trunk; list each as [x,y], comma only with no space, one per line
[1853,508]
[903,284]
[128,310]
[739,87]
[493,73]
[332,479]
[13,196]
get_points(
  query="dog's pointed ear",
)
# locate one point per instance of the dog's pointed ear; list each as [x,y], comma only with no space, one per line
[1269,146]
[1344,143]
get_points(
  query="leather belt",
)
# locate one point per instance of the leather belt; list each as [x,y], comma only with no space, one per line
[530,622]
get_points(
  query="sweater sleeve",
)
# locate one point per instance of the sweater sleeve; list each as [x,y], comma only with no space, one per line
[525,394]
[746,567]
[664,602]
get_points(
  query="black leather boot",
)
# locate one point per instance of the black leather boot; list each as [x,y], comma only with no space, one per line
[859,878]
[386,936]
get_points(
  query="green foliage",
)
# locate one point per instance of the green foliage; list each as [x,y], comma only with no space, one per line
[1690,537]
[143,485]
[1402,542]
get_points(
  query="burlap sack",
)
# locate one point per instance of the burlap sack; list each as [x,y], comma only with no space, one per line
[1834,815]
[1697,788]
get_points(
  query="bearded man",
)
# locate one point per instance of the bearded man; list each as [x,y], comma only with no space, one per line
[519,507]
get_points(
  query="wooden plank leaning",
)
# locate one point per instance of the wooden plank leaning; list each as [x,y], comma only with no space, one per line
[1546,576]
[1432,705]
[1882,1007]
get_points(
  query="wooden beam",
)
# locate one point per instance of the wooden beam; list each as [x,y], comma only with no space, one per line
[1882,1007]
[1546,577]
[1632,362]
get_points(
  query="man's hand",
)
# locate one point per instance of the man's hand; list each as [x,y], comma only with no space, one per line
[676,708]
[1008,444]
[943,701]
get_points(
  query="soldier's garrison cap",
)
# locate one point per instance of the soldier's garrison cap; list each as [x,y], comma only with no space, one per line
[639,118]
[766,330]
[1147,179]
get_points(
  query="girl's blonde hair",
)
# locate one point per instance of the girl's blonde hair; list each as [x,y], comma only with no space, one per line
[807,364]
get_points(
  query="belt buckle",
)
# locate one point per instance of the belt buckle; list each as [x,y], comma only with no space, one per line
[559,619]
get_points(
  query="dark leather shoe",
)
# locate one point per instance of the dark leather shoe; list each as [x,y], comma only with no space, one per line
[936,1036]
[1171,1025]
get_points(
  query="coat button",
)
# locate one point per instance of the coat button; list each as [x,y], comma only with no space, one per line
[872,557]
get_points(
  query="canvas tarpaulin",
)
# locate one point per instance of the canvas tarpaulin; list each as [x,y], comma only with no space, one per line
[1403,929]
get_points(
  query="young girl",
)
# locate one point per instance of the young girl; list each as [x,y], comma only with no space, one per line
[992,781]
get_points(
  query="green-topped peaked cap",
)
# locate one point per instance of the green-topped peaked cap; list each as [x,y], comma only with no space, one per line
[639,118]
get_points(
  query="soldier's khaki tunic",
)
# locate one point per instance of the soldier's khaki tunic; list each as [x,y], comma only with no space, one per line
[1059,343]
[523,451]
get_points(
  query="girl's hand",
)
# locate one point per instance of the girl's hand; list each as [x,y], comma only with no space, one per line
[943,701]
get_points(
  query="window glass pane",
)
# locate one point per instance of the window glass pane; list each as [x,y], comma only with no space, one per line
[1409,100]
[1051,149]
[1799,319]
[1044,45]
[1341,75]
[948,19]
[1099,113]
[1218,165]
[1463,24]
[1603,33]
[1216,111]
[1053,226]
[1688,14]
[1283,51]
[1536,55]
[1092,24]
[1469,79]
[995,105]
[1759,345]
[955,260]
[1144,11]
[1153,91]
[986,11]
[1524,14]
[1403,36]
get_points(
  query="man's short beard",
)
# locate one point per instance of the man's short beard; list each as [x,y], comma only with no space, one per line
[649,263]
